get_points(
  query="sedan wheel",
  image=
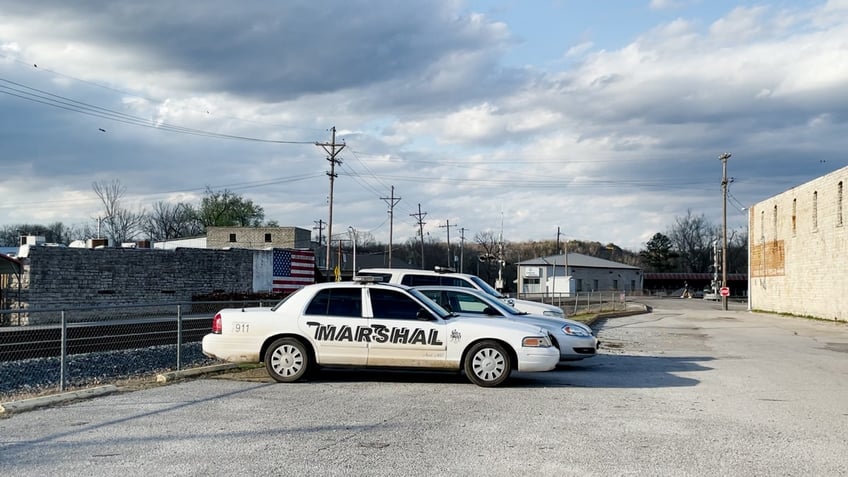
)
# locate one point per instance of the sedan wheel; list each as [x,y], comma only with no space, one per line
[287,360]
[487,364]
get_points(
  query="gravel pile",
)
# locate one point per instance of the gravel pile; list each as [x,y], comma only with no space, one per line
[41,375]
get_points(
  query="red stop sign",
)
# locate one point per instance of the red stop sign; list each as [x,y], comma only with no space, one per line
[724,291]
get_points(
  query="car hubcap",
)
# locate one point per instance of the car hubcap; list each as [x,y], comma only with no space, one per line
[488,364]
[287,360]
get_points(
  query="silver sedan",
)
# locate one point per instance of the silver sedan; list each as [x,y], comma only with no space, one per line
[575,340]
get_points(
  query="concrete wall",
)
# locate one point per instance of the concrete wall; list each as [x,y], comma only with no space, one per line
[258,237]
[798,250]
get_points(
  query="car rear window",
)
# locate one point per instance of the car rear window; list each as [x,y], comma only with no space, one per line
[336,302]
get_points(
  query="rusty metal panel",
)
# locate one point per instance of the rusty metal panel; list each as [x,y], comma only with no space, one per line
[768,259]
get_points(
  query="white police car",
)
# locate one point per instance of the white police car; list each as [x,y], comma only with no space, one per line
[575,340]
[375,325]
[444,276]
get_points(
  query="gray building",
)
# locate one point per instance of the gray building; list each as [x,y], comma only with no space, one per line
[566,274]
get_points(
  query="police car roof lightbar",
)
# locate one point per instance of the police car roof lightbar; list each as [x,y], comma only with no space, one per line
[440,269]
[367,279]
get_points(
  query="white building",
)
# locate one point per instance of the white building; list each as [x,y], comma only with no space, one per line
[798,250]
[566,274]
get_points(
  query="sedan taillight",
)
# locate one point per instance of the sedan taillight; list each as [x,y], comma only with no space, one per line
[216,324]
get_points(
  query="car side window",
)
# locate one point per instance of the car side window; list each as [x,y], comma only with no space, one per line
[391,304]
[336,302]
[464,303]
[419,280]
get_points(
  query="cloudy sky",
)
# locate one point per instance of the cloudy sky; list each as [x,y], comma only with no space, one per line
[605,118]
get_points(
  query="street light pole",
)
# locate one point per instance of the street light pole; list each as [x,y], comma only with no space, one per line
[353,234]
[723,158]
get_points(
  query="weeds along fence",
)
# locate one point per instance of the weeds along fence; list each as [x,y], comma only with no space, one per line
[581,303]
[54,350]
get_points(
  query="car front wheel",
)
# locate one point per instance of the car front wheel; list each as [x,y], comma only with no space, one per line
[487,364]
[287,360]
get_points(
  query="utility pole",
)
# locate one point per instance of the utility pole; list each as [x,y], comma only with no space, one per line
[332,149]
[391,201]
[448,226]
[723,158]
[420,216]
[319,226]
[461,247]
[499,285]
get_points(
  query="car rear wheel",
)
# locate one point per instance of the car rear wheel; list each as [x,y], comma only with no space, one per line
[487,364]
[287,360]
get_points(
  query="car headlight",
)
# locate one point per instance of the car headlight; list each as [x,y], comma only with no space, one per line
[554,313]
[572,330]
[536,342]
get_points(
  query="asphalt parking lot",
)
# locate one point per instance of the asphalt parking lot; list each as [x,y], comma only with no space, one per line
[688,389]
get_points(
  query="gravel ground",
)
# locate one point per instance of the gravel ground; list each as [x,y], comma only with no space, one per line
[37,377]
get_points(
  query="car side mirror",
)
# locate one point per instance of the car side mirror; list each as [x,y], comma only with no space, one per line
[423,315]
[490,311]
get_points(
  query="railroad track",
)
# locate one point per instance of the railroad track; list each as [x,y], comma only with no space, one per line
[41,341]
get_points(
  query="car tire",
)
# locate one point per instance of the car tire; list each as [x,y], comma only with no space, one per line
[287,360]
[487,364]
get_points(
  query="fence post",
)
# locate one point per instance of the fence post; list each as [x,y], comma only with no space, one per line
[179,336]
[63,353]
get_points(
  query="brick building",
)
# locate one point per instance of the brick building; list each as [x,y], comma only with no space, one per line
[798,250]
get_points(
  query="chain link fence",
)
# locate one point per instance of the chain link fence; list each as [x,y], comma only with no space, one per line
[54,350]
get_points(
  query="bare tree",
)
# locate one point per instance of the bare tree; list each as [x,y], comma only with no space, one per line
[692,237]
[121,224]
[169,221]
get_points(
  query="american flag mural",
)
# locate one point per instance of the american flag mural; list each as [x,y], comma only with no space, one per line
[292,269]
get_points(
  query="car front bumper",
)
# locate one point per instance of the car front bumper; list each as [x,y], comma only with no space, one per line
[537,359]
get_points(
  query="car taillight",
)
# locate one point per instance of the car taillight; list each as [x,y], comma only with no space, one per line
[216,324]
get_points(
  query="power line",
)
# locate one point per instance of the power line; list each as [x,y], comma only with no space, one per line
[61,102]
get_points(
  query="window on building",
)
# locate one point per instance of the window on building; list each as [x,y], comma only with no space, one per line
[774,220]
[763,225]
[794,214]
[579,284]
[839,204]
[815,210]
[632,285]
[232,238]
[267,238]
[594,285]
[615,284]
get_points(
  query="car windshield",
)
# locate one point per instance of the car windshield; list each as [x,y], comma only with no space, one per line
[280,303]
[434,307]
[486,287]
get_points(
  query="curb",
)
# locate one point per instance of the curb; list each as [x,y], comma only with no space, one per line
[32,403]
[618,314]
[42,401]
[185,373]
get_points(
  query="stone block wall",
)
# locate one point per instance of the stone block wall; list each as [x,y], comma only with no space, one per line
[56,276]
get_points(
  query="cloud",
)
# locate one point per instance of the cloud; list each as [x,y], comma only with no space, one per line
[610,144]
